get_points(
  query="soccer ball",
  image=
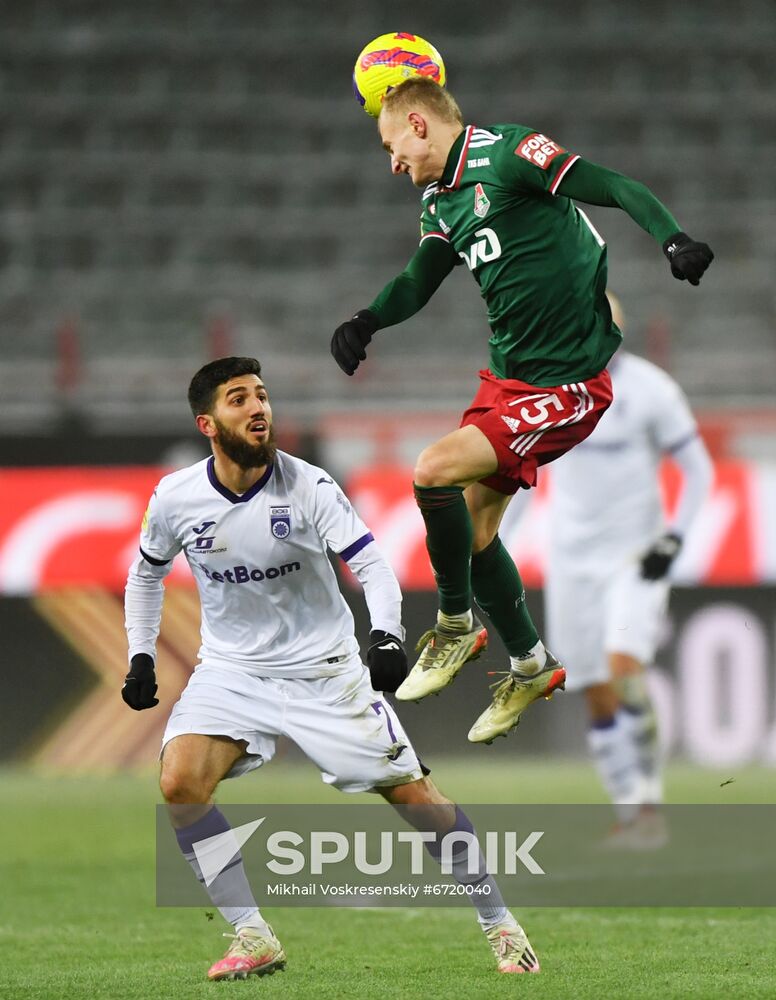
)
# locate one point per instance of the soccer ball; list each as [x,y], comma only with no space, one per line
[389,60]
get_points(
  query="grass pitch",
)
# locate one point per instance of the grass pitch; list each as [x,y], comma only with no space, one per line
[78,920]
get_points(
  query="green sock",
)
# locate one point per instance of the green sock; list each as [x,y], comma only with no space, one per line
[449,544]
[499,591]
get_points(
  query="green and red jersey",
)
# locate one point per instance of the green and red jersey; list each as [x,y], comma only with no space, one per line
[540,264]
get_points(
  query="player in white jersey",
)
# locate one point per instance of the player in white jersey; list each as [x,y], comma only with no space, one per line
[608,573]
[279,656]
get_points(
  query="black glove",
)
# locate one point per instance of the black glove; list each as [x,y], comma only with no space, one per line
[348,345]
[140,683]
[657,560]
[688,259]
[386,660]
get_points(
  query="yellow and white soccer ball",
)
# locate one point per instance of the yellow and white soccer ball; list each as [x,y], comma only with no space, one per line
[389,60]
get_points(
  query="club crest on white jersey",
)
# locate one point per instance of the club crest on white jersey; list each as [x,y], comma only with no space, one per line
[280,521]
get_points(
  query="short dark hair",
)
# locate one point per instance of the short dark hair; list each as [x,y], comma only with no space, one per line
[202,388]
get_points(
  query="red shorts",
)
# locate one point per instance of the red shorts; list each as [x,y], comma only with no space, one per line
[530,425]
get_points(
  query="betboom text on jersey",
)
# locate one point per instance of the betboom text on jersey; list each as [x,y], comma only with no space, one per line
[241,574]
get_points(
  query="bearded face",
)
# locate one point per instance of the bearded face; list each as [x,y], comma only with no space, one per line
[241,450]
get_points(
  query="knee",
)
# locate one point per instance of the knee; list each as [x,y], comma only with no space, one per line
[180,787]
[432,469]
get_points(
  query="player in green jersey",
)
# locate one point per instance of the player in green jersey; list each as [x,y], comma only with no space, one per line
[501,200]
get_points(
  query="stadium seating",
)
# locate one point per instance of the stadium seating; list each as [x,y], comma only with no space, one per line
[163,166]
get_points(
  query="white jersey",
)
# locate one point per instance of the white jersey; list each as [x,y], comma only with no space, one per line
[605,495]
[271,603]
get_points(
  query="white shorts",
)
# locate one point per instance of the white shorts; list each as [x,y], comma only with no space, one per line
[346,728]
[589,616]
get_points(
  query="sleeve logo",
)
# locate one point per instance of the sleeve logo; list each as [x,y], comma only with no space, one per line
[539,150]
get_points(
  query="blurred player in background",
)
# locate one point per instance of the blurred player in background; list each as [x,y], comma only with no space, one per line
[499,199]
[279,656]
[608,573]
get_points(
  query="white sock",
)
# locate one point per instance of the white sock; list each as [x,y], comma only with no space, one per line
[489,904]
[230,890]
[230,885]
[252,919]
[504,918]
[642,726]
[456,623]
[614,753]
[531,663]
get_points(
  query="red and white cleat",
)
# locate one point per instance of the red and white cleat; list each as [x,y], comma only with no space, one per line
[251,953]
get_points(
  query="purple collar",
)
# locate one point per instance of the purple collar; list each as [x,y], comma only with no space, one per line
[257,487]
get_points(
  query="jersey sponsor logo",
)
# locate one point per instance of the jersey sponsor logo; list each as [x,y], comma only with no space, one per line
[481,201]
[485,249]
[539,150]
[483,161]
[205,544]
[280,521]
[242,574]
[203,527]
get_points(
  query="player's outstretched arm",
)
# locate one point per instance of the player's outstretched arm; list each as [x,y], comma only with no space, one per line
[400,299]
[595,185]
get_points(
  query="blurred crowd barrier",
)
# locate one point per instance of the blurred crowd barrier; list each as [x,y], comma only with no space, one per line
[69,533]
[78,527]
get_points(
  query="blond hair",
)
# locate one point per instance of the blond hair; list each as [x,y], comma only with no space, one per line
[422,92]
